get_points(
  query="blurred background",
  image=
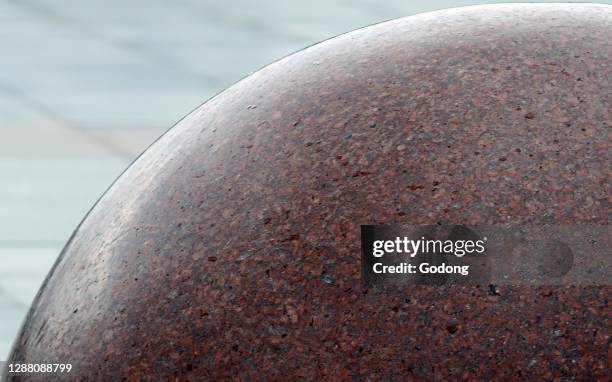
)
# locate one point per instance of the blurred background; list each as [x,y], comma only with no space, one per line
[85,86]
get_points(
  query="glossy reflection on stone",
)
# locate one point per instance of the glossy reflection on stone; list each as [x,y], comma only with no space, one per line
[230,249]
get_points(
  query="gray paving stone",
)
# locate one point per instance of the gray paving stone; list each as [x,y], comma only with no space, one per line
[15,115]
[48,139]
[11,316]
[22,270]
[126,109]
[43,199]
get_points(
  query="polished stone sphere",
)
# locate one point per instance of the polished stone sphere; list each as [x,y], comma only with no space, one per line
[230,249]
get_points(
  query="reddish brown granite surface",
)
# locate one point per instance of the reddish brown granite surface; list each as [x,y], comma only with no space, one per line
[230,249]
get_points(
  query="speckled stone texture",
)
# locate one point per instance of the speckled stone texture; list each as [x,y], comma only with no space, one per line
[230,249]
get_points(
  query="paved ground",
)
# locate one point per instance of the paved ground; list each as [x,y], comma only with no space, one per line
[86,85]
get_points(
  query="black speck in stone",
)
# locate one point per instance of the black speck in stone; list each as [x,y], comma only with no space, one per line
[493,291]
